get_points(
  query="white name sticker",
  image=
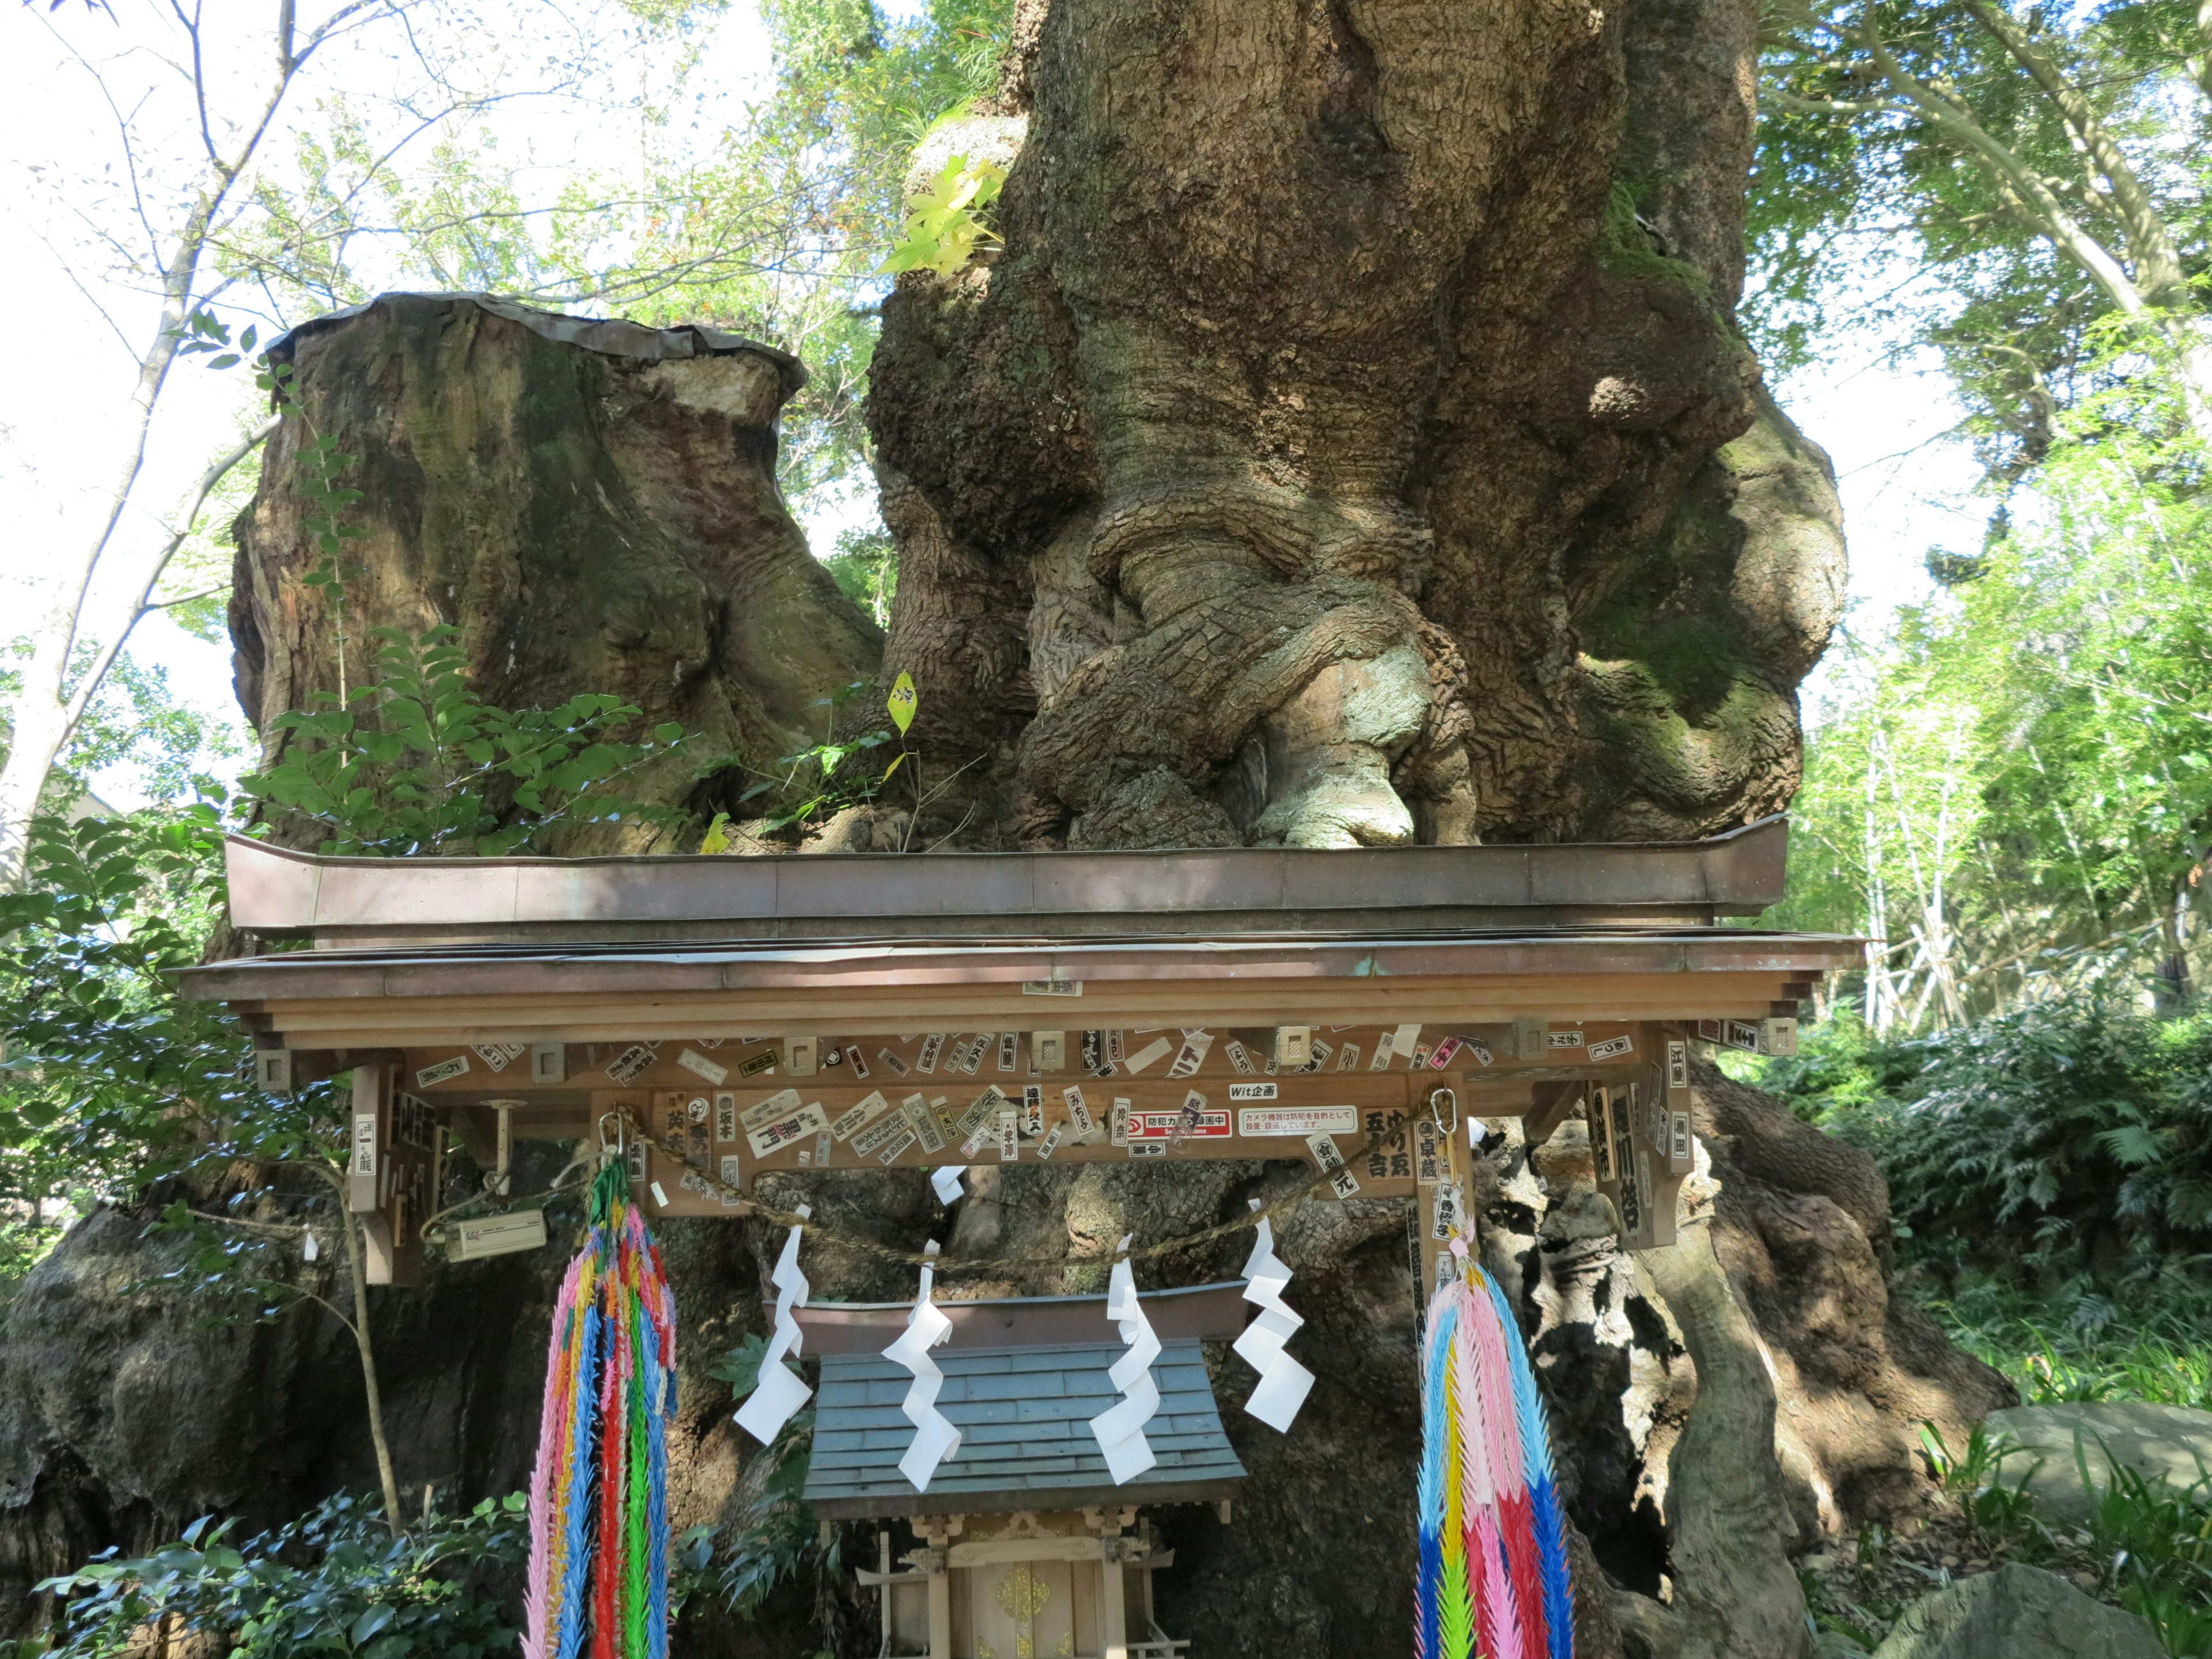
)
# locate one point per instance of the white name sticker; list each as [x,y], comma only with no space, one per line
[1251,1091]
[1157,1050]
[782,1103]
[1258,1122]
[1186,1124]
[699,1066]
[1612,1049]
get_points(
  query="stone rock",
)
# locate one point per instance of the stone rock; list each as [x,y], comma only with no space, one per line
[2016,1612]
[2157,1442]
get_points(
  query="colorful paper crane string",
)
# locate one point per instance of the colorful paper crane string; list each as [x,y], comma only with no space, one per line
[781,1391]
[1283,1383]
[1121,1427]
[935,1439]
[598,1587]
[1493,1579]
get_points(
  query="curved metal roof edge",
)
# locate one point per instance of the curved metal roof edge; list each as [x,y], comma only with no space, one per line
[275,890]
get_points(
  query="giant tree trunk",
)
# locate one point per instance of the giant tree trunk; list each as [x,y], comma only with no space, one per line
[1352,443]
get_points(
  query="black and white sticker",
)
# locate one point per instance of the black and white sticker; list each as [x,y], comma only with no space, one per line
[782,1103]
[861,1114]
[630,1063]
[809,1119]
[928,1128]
[443,1071]
[873,1139]
[1193,1054]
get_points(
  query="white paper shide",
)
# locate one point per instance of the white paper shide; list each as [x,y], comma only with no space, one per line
[781,1391]
[1120,1428]
[1283,1383]
[935,1439]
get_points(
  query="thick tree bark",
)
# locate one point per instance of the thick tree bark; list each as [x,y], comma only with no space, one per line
[1355,428]
[593,506]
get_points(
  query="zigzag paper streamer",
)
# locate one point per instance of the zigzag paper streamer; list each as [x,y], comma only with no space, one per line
[781,1391]
[1283,1382]
[1121,1427]
[935,1439]
[945,1181]
[599,1497]
[1493,1576]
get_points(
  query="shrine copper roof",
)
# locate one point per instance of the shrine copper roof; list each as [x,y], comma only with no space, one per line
[1024,1420]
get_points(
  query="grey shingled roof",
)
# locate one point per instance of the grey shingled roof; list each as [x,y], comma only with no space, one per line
[1024,1419]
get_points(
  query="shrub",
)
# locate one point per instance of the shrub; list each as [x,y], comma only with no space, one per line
[335,1581]
[2070,1133]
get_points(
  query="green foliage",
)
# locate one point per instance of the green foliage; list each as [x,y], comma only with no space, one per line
[2062,1133]
[418,763]
[1996,1516]
[944,225]
[108,1075]
[334,1581]
[1869,215]
[820,780]
[2013,789]
[864,566]
[2079,1338]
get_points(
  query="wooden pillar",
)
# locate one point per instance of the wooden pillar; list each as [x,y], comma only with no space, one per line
[884,1589]
[388,1174]
[938,1532]
[1113,1606]
[940,1605]
[1640,1140]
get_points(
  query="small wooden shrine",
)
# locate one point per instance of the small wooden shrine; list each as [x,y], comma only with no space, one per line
[843,1011]
[1024,1546]
[711,1020]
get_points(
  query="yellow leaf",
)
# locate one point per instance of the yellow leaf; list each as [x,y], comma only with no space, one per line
[901,702]
[716,841]
[892,767]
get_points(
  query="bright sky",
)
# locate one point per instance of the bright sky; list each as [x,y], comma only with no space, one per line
[77,328]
